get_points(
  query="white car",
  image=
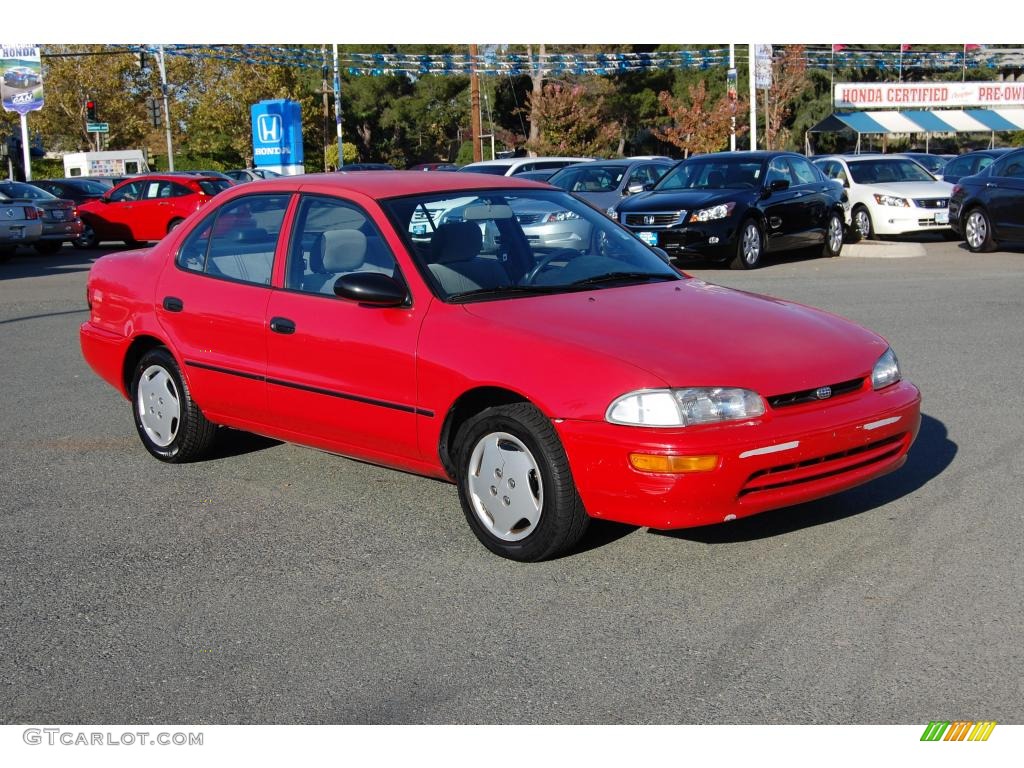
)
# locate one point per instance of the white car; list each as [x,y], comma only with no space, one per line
[515,165]
[889,194]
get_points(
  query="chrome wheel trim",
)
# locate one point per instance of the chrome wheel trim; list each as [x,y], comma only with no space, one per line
[505,487]
[158,405]
[977,229]
[835,234]
[751,244]
[862,220]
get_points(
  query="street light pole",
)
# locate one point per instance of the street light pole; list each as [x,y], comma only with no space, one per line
[337,105]
[167,107]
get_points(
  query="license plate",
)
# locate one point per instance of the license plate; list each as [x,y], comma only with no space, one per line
[419,229]
[59,215]
[942,217]
[651,238]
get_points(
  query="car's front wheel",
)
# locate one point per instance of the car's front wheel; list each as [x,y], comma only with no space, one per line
[516,489]
[833,236]
[978,231]
[168,421]
[749,246]
[862,222]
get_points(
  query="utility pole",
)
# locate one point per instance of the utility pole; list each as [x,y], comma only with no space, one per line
[731,82]
[323,91]
[753,96]
[167,107]
[474,103]
[337,106]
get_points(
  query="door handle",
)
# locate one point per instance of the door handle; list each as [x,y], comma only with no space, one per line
[282,325]
[990,184]
[173,304]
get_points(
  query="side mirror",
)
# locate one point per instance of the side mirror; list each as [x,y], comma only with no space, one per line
[776,186]
[105,198]
[663,255]
[635,189]
[372,289]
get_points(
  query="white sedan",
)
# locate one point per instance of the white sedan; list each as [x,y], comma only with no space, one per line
[889,195]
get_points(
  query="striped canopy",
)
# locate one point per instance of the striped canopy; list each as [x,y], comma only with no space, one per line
[924,121]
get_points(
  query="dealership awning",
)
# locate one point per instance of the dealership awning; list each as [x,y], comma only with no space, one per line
[926,121]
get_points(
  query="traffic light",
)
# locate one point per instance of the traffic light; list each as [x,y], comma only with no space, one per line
[90,111]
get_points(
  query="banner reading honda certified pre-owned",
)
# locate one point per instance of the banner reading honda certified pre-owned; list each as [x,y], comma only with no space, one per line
[937,95]
[22,73]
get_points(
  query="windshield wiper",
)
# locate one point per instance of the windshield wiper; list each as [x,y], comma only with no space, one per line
[614,277]
[501,290]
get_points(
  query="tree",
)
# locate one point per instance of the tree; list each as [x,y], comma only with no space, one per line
[789,81]
[349,153]
[698,127]
[570,123]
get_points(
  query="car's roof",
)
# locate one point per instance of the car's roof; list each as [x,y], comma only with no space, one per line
[761,154]
[623,161]
[509,161]
[384,184]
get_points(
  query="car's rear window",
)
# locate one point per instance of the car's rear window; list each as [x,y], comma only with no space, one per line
[213,186]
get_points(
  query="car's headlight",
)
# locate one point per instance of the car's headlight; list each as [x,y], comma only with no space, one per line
[898,202]
[685,407]
[559,216]
[612,214]
[886,370]
[712,213]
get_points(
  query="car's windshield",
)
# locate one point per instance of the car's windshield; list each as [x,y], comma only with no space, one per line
[479,245]
[92,187]
[19,191]
[588,178]
[213,186]
[714,172]
[887,171]
[494,170]
[933,163]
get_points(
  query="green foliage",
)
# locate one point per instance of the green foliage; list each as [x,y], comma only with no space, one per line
[349,153]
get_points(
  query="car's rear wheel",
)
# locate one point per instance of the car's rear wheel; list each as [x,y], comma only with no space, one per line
[862,222]
[749,246]
[515,485]
[172,224]
[87,239]
[978,231]
[833,236]
[168,421]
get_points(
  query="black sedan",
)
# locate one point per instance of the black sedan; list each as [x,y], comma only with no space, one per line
[735,207]
[970,164]
[988,208]
[78,190]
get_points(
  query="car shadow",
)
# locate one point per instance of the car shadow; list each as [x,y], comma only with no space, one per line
[930,455]
[27,263]
[233,442]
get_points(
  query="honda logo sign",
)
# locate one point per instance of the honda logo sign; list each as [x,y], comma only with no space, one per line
[269,127]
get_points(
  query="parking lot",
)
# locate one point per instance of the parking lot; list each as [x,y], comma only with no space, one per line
[278,584]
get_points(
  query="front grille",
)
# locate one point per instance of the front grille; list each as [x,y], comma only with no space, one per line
[660,219]
[932,202]
[812,470]
[530,218]
[811,395]
[930,223]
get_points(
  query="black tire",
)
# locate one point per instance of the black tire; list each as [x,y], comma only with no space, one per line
[748,258]
[87,239]
[192,436]
[172,224]
[851,235]
[545,483]
[47,247]
[862,223]
[977,229]
[833,245]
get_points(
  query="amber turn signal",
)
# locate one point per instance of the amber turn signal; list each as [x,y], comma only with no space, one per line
[647,462]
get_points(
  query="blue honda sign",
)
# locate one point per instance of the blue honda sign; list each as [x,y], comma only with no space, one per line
[277,133]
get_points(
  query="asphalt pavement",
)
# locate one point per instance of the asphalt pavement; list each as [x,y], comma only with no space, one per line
[279,584]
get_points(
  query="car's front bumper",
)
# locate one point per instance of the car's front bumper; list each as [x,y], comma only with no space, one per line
[801,454]
[68,229]
[20,232]
[709,240]
[890,220]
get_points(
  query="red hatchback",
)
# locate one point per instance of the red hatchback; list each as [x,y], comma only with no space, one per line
[408,319]
[145,207]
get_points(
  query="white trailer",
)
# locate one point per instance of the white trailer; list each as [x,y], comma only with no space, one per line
[123,162]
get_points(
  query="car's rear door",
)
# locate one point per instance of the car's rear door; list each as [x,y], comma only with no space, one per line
[211,302]
[1005,188]
[340,375]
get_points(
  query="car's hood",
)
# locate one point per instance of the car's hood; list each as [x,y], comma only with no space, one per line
[679,199]
[914,189]
[692,333]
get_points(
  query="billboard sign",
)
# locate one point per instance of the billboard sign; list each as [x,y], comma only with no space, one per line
[929,95]
[21,90]
[763,66]
[277,133]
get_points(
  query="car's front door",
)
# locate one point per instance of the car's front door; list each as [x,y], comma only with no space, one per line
[116,211]
[212,301]
[341,375]
[813,193]
[781,208]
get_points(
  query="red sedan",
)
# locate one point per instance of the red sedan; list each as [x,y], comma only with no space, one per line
[407,319]
[145,207]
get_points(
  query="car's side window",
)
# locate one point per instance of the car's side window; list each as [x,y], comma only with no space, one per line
[803,171]
[238,241]
[152,190]
[983,162]
[960,166]
[127,193]
[170,189]
[332,238]
[1013,168]
[778,170]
